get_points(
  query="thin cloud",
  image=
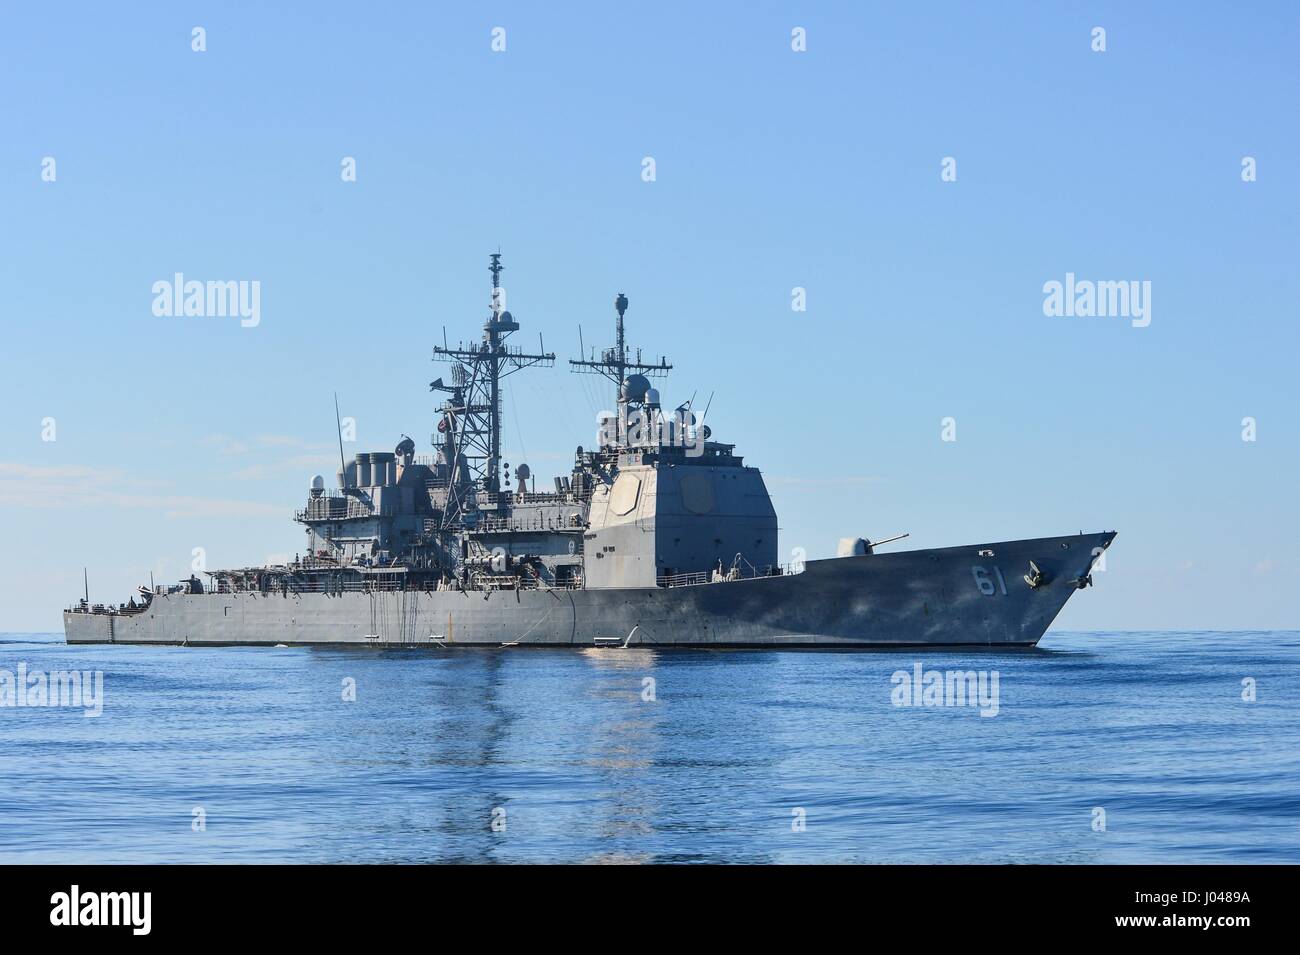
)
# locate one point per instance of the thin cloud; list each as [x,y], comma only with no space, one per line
[224,444]
[74,486]
[312,456]
[290,441]
[306,464]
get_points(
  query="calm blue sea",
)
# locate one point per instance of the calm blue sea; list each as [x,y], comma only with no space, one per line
[564,751]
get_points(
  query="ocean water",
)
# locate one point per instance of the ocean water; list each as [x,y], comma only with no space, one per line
[527,755]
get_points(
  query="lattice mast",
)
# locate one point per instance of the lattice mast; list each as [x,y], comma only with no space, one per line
[474,409]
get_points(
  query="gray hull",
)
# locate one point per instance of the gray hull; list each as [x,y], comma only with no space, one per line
[972,595]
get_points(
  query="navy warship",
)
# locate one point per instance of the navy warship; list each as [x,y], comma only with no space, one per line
[658,536]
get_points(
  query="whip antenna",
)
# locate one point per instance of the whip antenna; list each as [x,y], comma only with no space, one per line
[338,424]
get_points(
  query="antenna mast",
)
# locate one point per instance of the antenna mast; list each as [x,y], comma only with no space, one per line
[615,364]
[338,425]
[478,416]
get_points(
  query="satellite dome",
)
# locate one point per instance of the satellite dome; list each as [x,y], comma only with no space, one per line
[635,387]
[317,483]
[652,396]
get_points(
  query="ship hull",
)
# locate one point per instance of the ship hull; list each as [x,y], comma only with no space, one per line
[957,596]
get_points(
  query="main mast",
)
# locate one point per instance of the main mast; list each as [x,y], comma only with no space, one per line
[474,409]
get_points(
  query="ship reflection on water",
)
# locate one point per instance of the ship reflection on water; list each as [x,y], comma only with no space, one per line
[622,751]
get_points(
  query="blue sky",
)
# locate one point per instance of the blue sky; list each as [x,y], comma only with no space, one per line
[775,169]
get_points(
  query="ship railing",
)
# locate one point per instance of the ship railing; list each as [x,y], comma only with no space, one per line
[336,508]
[336,586]
[116,610]
[379,585]
[489,499]
[499,524]
[745,572]
[539,497]
[497,582]
[353,585]
[682,580]
[502,583]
